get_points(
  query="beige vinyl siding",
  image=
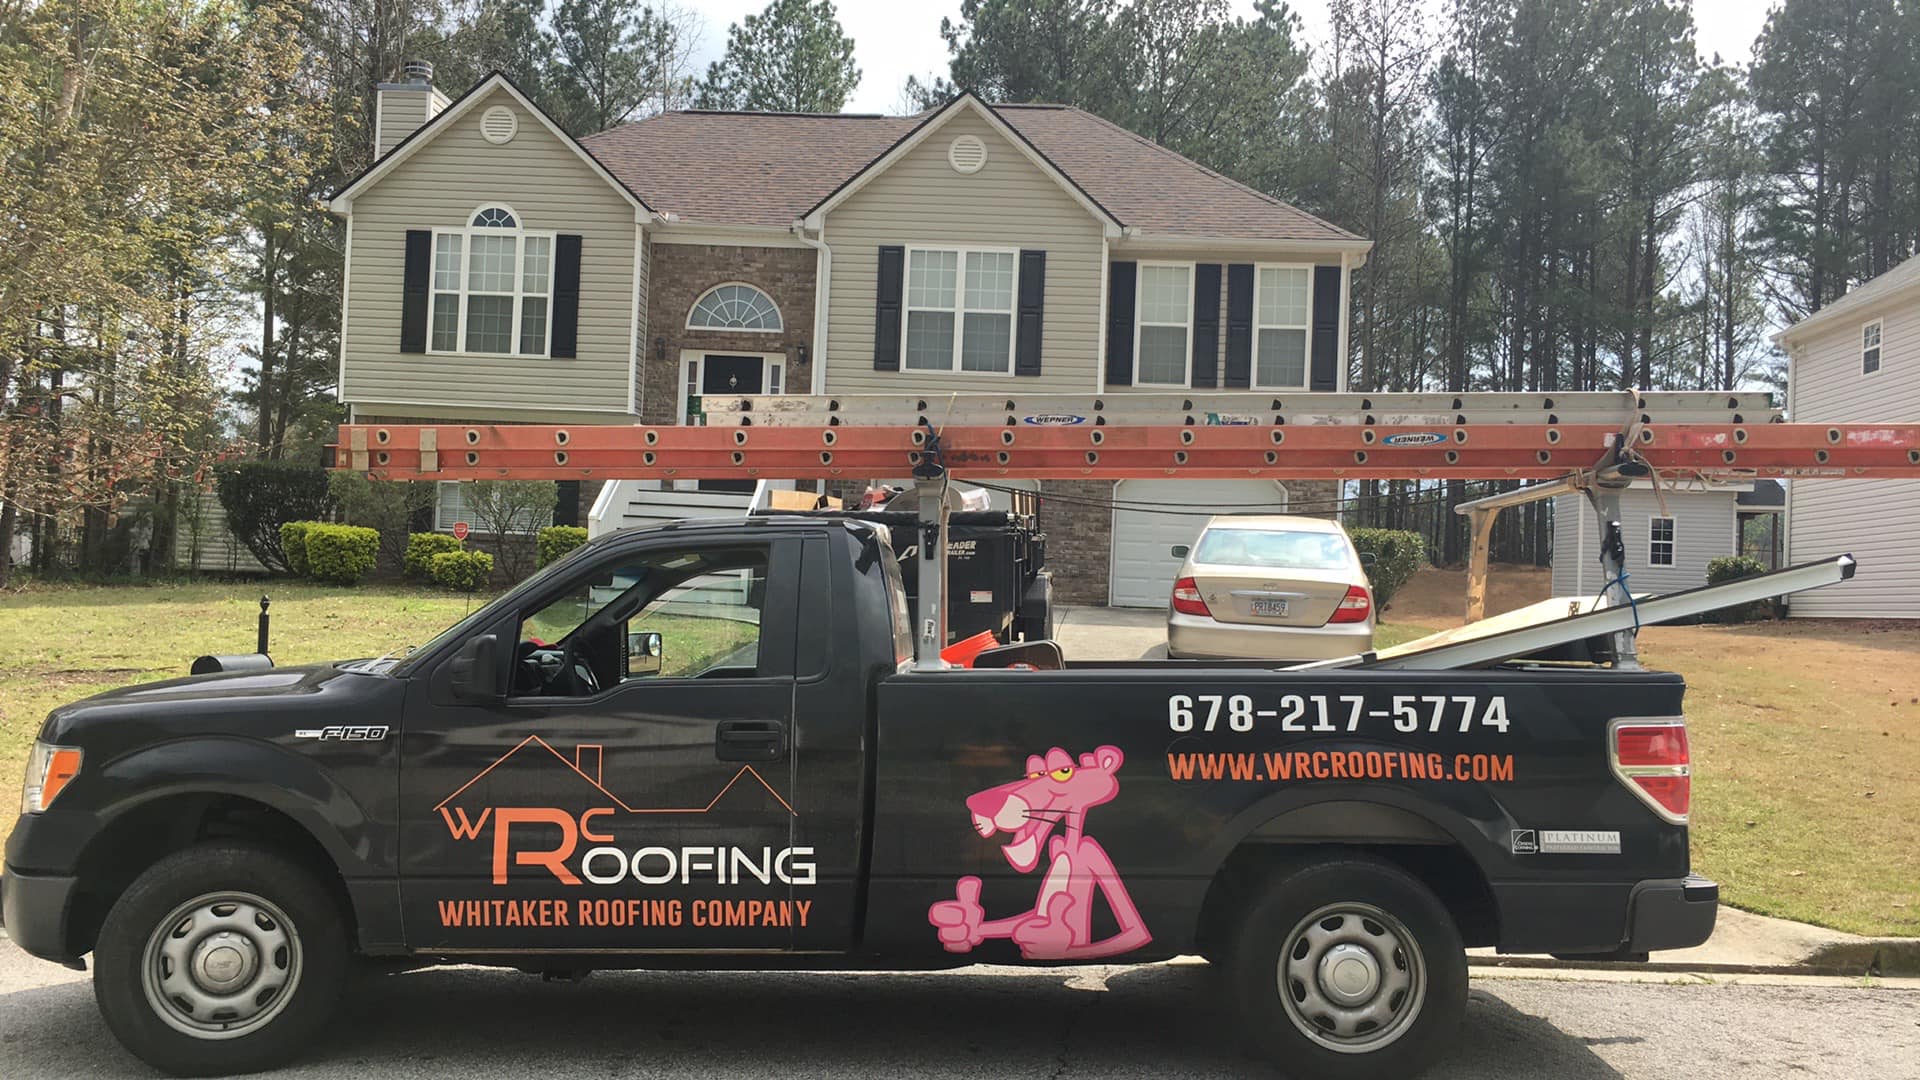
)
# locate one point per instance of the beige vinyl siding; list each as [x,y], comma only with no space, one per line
[1147,253]
[440,185]
[1877,521]
[401,114]
[1703,530]
[920,201]
[205,544]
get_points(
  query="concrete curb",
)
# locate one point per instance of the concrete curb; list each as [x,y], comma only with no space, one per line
[1897,957]
[1872,956]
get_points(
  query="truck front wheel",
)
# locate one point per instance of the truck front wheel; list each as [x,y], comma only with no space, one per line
[1349,968]
[222,958]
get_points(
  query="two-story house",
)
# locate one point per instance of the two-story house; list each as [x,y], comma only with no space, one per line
[498,270]
[1855,361]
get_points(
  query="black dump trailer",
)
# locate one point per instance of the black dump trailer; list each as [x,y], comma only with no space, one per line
[996,566]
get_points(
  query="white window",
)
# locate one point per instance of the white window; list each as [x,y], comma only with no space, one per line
[1163,334]
[1870,348]
[451,506]
[960,310]
[1660,541]
[1283,302]
[492,283]
[735,306]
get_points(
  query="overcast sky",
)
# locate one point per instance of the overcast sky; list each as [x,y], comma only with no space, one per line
[897,38]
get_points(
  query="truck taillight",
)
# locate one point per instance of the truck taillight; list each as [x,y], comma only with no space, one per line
[1651,757]
[1187,599]
[1354,607]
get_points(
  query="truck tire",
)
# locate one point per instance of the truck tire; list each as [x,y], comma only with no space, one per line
[223,958]
[1348,968]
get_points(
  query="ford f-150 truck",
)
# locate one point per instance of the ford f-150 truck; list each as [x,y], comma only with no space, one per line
[702,745]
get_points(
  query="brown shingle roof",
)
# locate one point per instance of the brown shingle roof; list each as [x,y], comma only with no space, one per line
[722,168]
[1151,188]
[768,169]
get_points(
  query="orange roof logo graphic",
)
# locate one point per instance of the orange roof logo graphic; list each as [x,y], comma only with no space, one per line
[574,766]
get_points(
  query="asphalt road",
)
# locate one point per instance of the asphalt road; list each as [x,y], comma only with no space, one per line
[1159,1021]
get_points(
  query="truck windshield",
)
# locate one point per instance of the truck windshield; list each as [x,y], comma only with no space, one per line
[1278,549]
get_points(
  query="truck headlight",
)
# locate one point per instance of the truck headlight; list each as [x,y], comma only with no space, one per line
[49,768]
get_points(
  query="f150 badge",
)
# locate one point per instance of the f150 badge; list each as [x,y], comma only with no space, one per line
[346,733]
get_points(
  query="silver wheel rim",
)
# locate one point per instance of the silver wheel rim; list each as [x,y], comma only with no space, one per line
[1351,978]
[221,965]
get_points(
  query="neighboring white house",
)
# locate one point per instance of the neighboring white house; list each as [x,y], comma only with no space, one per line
[1671,535]
[1857,360]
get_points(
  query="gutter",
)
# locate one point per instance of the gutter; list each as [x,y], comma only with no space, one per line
[822,284]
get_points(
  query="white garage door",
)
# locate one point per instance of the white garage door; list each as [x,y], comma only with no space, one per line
[1143,562]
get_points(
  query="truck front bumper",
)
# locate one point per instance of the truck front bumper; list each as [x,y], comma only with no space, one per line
[34,909]
[1671,914]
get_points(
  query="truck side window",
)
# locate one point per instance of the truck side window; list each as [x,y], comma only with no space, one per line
[665,615]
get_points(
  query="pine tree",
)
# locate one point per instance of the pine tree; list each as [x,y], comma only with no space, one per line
[792,57]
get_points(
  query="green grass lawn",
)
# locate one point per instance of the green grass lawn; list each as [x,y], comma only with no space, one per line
[1806,737]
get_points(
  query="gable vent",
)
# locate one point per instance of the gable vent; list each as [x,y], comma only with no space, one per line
[967,154]
[498,125]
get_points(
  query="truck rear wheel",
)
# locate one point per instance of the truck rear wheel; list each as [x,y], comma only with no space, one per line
[218,959]
[1348,968]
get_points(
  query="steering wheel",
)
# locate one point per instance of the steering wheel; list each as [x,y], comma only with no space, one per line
[579,674]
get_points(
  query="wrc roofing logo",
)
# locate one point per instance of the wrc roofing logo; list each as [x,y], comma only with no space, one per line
[573,827]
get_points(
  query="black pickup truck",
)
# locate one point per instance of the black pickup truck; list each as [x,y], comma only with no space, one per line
[702,745]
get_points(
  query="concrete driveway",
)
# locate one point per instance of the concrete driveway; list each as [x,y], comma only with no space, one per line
[1103,633]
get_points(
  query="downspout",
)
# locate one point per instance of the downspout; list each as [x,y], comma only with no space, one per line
[822,285]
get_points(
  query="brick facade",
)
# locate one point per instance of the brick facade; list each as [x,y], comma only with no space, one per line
[680,273]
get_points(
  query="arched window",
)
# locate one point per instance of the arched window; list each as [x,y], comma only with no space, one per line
[492,282]
[734,306]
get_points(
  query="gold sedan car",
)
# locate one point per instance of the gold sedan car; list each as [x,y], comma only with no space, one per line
[1270,588]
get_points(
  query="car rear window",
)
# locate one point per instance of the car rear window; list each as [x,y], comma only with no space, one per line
[1279,549]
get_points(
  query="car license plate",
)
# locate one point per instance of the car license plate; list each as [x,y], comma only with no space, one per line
[1273,608]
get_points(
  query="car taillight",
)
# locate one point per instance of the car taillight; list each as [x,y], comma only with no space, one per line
[1354,607]
[1651,757]
[1187,599]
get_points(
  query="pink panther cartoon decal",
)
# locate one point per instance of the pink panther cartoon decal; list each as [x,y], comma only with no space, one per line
[1056,791]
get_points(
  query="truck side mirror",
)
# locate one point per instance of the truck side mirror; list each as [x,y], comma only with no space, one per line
[474,672]
[1180,551]
[644,653]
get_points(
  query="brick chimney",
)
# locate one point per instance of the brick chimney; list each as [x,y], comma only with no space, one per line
[401,107]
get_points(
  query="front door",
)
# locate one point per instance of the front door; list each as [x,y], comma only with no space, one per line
[730,376]
[632,792]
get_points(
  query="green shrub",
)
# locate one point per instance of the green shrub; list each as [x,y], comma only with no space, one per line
[557,540]
[1396,555]
[261,496]
[462,571]
[1733,568]
[293,542]
[341,554]
[421,548]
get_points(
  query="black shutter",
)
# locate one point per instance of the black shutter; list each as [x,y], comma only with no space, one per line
[566,296]
[1206,326]
[414,297]
[1120,287]
[1033,300]
[1240,326]
[1326,328]
[886,308]
[566,509]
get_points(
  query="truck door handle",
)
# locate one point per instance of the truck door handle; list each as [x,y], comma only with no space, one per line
[750,740]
